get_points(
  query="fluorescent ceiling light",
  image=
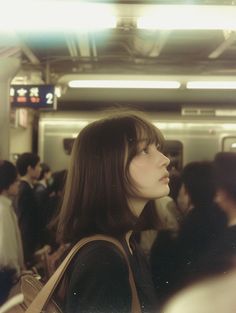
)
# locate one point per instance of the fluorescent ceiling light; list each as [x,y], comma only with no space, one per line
[229,126]
[169,125]
[147,84]
[52,15]
[211,85]
[227,113]
[186,17]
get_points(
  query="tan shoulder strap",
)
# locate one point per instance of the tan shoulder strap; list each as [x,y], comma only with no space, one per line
[46,292]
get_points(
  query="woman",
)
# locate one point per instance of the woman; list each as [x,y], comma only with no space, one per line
[11,251]
[116,168]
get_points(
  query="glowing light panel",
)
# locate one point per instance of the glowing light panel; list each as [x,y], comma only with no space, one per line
[211,85]
[151,84]
[173,17]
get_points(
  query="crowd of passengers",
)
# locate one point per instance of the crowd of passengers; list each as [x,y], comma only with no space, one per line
[185,237]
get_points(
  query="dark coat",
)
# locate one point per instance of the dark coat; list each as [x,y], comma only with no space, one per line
[98,280]
[176,262]
[27,212]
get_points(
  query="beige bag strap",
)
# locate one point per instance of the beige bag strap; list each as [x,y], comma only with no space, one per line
[46,292]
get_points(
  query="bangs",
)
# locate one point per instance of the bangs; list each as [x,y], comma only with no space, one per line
[149,133]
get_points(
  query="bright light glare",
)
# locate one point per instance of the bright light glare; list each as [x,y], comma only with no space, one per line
[147,84]
[54,15]
[225,112]
[169,125]
[189,17]
[229,126]
[211,85]
[64,122]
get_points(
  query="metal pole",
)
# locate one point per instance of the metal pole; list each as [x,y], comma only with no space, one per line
[9,67]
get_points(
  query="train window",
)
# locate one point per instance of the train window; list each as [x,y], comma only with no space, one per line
[173,149]
[229,144]
[68,144]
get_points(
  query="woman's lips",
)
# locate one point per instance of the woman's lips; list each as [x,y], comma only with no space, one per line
[165,179]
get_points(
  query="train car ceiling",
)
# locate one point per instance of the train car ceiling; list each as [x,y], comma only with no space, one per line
[136,46]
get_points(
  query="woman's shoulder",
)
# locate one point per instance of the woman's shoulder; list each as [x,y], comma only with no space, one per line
[100,253]
[97,263]
[99,274]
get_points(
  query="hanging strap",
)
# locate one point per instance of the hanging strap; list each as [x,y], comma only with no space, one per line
[46,292]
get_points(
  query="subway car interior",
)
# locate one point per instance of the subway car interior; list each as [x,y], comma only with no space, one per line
[174,60]
[65,63]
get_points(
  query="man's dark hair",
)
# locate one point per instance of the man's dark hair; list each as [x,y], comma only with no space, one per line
[25,160]
[198,180]
[44,169]
[8,174]
[225,172]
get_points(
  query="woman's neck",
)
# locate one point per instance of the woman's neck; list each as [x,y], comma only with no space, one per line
[136,205]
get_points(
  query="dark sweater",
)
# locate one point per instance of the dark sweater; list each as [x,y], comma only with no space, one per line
[222,254]
[27,212]
[177,262]
[98,280]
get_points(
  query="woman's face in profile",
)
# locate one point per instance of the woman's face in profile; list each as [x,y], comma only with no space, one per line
[148,170]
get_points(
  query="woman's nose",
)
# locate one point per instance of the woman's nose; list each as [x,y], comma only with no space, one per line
[166,161]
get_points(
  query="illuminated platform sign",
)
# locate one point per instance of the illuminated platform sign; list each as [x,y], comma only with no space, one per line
[33,96]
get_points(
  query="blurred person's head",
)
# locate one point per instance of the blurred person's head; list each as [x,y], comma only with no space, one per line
[225,180]
[28,164]
[9,183]
[183,200]
[197,188]
[45,172]
[58,182]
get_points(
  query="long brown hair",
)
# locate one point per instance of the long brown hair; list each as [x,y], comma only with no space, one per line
[98,180]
